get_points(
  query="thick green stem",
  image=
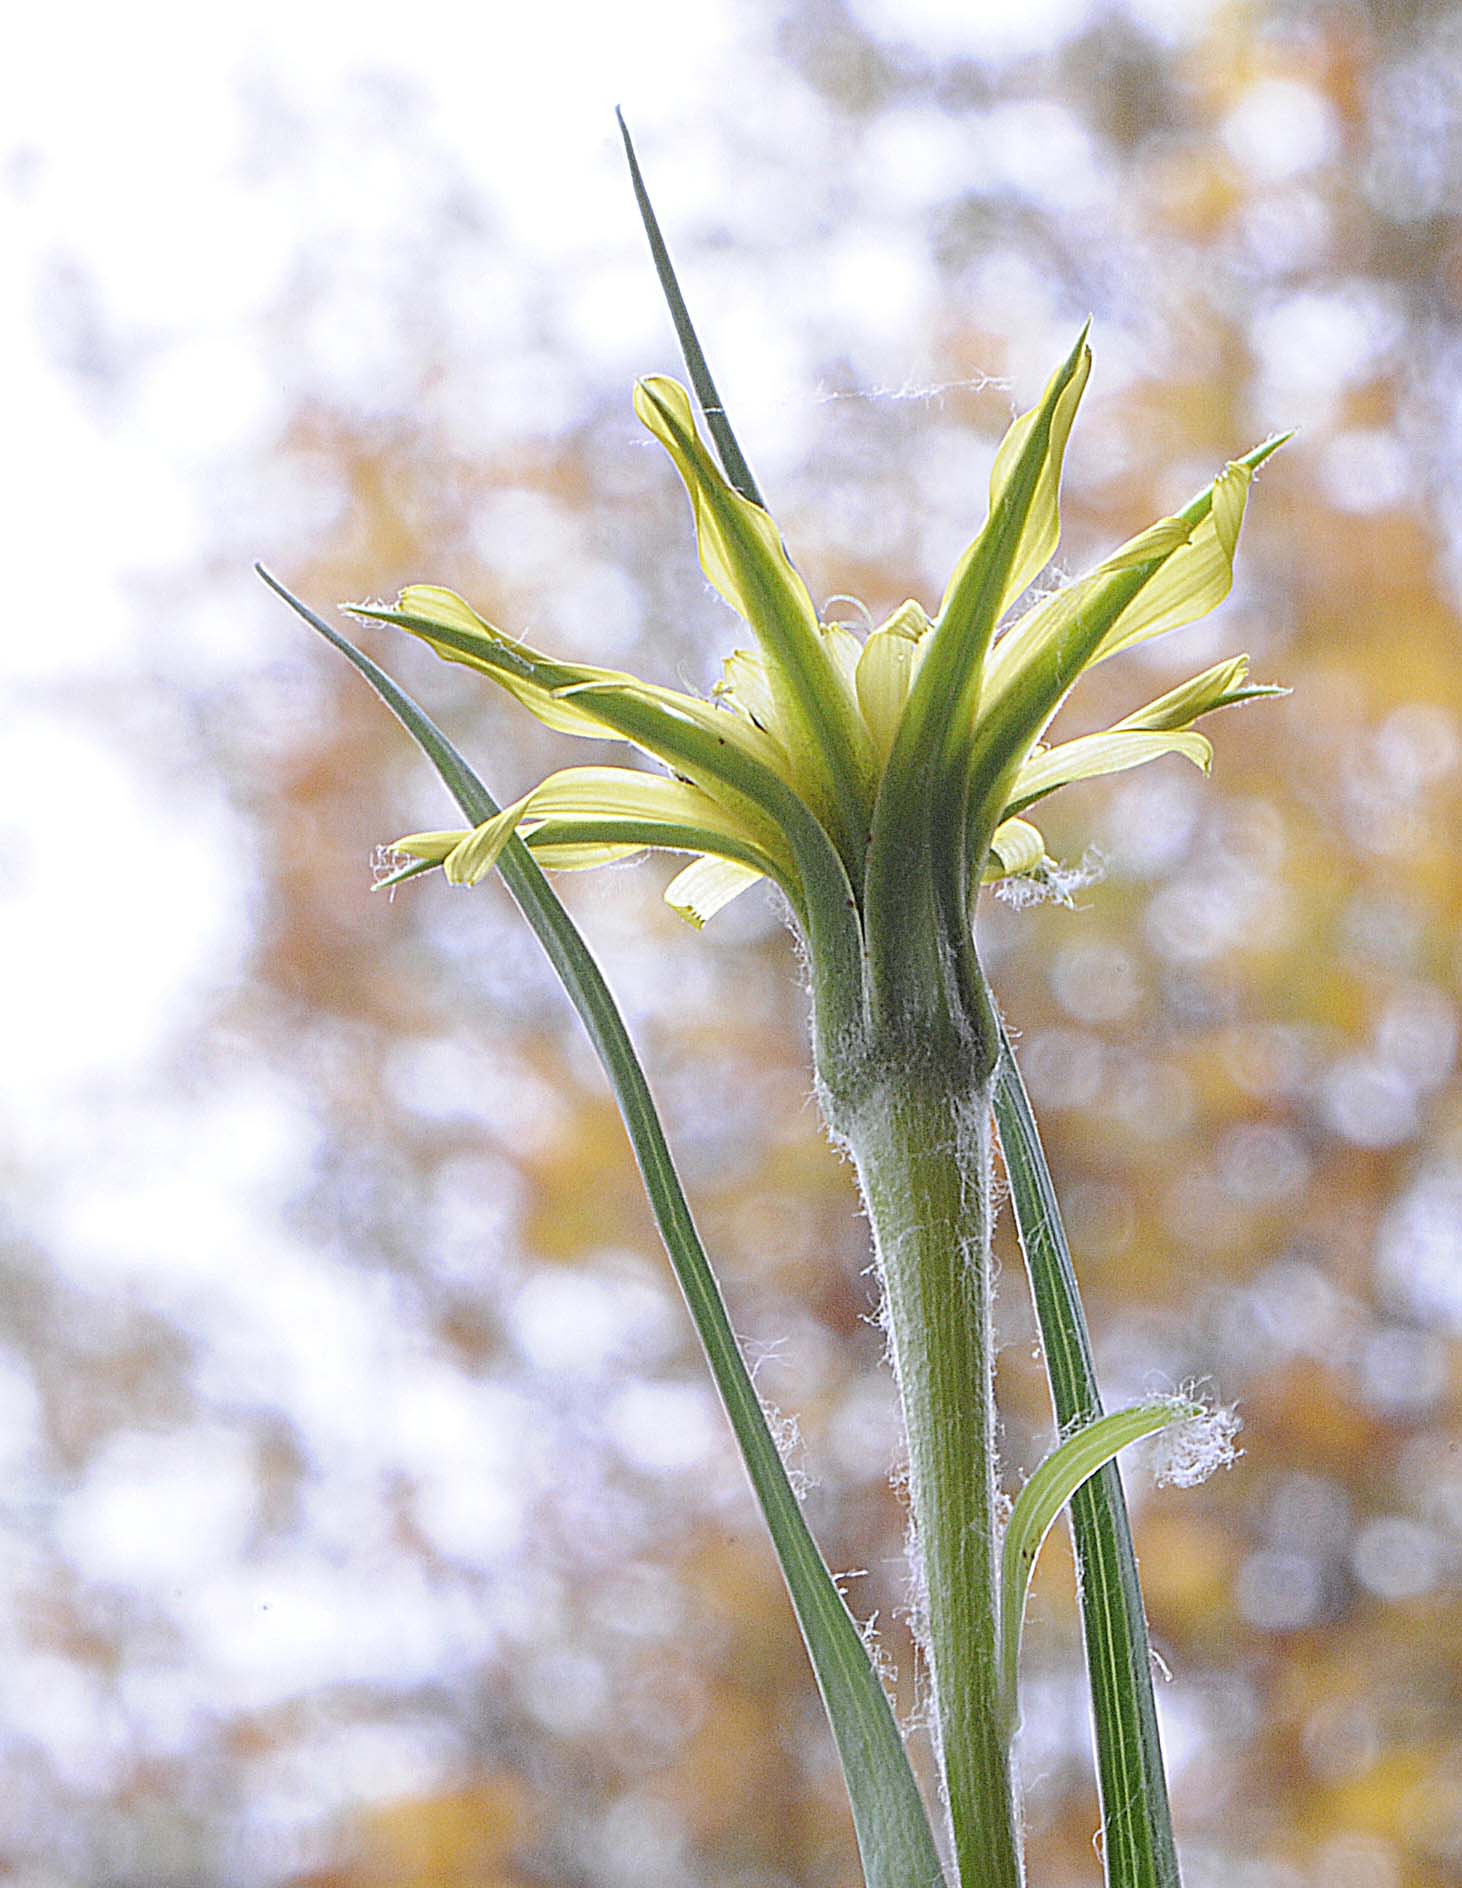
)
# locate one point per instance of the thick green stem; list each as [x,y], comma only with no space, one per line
[921,1144]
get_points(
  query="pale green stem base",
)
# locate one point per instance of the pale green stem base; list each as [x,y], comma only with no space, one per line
[923,1156]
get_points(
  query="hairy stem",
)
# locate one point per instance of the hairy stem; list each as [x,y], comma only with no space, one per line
[922,1150]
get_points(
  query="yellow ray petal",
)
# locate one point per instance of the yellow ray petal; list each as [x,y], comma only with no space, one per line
[577,858]
[886,670]
[1194,578]
[1017,848]
[1093,754]
[651,802]
[611,811]
[707,886]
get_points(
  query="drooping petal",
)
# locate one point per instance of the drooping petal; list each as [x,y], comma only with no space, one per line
[742,555]
[452,629]
[431,848]
[1093,754]
[707,886]
[1017,848]
[471,861]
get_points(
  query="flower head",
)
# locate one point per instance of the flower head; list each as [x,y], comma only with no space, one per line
[818,749]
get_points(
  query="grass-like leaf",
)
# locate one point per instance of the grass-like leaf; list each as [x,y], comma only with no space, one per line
[733,460]
[894,1837]
[1047,1492]
[1138,1847]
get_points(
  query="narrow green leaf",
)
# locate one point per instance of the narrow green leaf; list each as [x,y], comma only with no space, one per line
[732,458]
[892,1826]
[1138,1848]
[1047,1492]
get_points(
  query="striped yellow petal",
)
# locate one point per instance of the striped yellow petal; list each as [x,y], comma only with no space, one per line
[1017,848]
[568,858]
[886,670]
[845,649]
[1194,577]
[746,687]
[654,803]
[1094,754]
[707,886]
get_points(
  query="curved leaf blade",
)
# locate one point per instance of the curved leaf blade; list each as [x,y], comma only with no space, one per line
[1138,1849]
[894,1837]
[1047,1492]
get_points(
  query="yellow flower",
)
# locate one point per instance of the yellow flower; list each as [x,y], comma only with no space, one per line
[835,766]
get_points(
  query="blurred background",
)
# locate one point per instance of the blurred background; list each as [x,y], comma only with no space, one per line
[366,1518]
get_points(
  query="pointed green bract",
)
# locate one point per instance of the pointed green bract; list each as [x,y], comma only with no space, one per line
[1044,1496]
[1025,510]
[1222,686]
[1017,541]
[920,952]
[742,555]
[893,1831]
[1171,574]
